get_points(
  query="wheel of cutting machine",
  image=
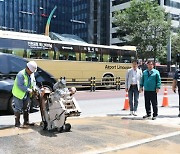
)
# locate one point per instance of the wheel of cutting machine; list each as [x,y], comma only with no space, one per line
[67,127]
[60,129]
[43,125]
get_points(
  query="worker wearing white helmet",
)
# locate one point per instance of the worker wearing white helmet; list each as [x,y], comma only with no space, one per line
[22,90]
[32,66]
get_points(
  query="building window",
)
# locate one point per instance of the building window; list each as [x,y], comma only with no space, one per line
[114,35]
[117,2]
[113,13]
[172,3]
[113,25]
[175,17]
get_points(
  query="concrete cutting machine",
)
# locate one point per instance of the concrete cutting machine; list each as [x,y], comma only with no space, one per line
[56,106]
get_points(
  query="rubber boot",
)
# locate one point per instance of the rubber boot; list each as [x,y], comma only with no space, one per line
[17,119]
[26,119]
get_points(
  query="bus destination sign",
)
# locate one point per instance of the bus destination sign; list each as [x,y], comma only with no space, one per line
[39,45]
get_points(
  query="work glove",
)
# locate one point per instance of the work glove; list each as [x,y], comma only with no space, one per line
[29,90]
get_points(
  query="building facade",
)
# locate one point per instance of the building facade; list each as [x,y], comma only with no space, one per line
[31,15]
[91,20]
[171,6]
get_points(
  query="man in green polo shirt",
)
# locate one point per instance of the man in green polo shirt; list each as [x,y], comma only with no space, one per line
[151,81]
[22,90]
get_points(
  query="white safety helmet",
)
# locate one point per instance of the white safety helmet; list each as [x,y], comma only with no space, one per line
[32,66]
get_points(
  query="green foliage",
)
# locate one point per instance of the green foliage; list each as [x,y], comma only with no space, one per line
[175,46]
[145,25]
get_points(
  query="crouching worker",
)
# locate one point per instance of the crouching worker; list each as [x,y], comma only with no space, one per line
[22,91]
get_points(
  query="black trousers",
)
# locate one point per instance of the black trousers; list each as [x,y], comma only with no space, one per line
[151,97]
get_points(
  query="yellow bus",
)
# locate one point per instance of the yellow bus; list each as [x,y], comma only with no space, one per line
[74,60]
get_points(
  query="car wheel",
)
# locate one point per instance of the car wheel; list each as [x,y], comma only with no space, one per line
[67,127]
[10,106]
[60,129]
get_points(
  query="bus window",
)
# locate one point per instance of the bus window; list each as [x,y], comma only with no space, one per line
[127,56]
[105,58]
[51,54]
[6,51]
[17,52]
[72,56]
[83,56]
[62,57]
[126,59]
[67,55]
[113,58]
[78,56]
[92,56]
[40,54]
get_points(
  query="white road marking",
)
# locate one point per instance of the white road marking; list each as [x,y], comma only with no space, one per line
[132,144]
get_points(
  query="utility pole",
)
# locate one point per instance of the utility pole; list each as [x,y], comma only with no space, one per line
[169,49]
[169,54]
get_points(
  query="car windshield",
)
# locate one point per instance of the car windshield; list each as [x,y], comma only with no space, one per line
[16,64]
[3,65]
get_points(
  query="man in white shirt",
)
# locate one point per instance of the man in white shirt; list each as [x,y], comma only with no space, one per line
[132,86]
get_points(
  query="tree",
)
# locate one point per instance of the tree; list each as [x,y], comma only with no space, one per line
[175,46]
[145,25]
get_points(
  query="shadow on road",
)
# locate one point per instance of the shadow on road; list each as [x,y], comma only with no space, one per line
[132,118]
[117,115]
[52,133]
[2,127]
[7,113]
[141,118]
[168,116]
[173,106]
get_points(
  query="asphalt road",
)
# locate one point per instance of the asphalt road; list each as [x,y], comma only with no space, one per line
[103,127]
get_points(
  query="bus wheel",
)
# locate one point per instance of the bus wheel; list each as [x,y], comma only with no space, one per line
[108,80]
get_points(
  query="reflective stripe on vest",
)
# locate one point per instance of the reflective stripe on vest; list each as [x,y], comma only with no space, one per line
[17,92]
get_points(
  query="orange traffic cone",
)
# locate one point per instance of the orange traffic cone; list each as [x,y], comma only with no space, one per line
[165,98]
[126,102]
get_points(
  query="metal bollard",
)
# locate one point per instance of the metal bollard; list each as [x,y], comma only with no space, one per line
[94,84]
[116,83]
[91,84]
[119,83]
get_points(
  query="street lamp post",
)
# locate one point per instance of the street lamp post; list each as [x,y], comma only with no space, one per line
[169,46]
[169,54]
